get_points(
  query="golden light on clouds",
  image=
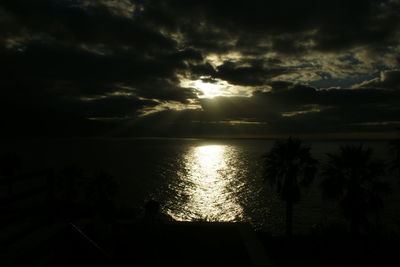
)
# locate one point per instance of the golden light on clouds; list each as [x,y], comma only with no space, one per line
[209,88]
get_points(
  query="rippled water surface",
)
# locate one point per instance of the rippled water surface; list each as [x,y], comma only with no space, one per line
[212,181]
[193,179]
[209,178]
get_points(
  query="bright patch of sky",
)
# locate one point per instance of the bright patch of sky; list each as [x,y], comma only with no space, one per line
[210,88]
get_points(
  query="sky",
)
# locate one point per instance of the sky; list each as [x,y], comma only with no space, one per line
[209,68]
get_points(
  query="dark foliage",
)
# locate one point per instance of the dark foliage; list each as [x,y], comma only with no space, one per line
[352,176]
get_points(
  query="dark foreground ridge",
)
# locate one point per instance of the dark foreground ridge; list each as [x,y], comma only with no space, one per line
[190,244]
[141,244]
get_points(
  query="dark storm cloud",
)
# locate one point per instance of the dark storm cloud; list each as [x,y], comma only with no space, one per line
[68,22]
[54,54]
[115,106]
[300,98]
[82,62]
[253,73]
[68,70]
[199,70]
[367,31]
[243,73]
[294,110]
[290,25]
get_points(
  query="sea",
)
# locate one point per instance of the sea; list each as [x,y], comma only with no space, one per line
[201,179]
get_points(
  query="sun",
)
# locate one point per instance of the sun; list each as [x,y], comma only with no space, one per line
[208,90]
[208,87]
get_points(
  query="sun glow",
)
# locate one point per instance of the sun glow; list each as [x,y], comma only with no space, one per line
[208,90]
[209,87]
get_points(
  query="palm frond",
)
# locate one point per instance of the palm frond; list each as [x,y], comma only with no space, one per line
[289,164]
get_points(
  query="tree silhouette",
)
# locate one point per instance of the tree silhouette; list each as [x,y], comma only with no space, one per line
[288,166]
[351,175]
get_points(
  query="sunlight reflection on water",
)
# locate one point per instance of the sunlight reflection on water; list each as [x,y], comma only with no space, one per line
[207,184]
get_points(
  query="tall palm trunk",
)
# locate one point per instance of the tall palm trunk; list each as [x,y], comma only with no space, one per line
[354,228]
[289,217]
[289,201]
[355,223]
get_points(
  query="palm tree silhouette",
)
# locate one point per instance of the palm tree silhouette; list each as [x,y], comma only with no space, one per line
[351,175]
[288,166]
